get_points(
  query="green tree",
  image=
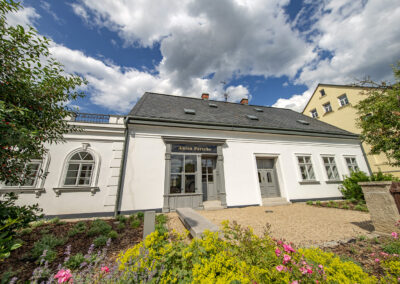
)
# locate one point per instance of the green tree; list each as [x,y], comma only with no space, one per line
[34,92]
[379,117]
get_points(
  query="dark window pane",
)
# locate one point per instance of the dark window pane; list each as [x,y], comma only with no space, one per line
[176,184]
[88,157]
[259,177]
[76,157]
[190,183]
[210,178]
[190,163]
[269,177]
[203,170]
[210,170]
[70,181]
[176,163]
[204,178]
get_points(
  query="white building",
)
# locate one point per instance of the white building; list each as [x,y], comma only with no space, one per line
[186,152]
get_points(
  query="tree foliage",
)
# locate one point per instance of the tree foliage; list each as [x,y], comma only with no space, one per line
[34,92]
[379,117]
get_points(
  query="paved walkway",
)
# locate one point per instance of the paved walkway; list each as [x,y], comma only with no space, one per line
[298,223]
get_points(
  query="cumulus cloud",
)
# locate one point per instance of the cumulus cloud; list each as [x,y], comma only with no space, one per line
[363,40]
[23,17]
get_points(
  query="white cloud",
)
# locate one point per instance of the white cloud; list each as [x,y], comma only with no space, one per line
[364,39]
[23,17]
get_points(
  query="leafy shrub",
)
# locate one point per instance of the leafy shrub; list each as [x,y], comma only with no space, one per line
[140,215]
[78,228]
[54,221]
[121,226]
[309,202]
[392,270]
[46,243]
[238,257]
[38,224]
[345,206]
[350,188]
[113,235]
[12,219]
[99,227]
[393,247]
[25,231]
[75,261]
[100,241]
[135,224]
[361,208]
[318,203]
[121,219]
[161,219]
[44,231]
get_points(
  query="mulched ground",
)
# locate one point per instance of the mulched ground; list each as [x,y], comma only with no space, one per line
[363,252]
[21,262]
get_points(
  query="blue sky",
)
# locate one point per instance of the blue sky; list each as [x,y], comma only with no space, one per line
[274,52]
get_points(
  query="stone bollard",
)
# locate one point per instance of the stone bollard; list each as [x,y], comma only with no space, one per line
[149,223]
[381,205]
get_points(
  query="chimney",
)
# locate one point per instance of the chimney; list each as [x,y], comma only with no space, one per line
[244,101]
[204,96]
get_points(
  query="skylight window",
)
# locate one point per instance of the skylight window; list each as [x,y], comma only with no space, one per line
[189,111]
[303,122]
[258,109]
[252,117]
[213,105]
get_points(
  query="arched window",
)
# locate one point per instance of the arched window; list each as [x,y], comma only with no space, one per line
[80,169]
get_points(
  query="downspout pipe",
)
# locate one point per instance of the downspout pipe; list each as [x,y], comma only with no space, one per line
[121,169]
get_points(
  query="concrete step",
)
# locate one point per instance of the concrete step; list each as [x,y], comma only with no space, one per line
[194,222]
[275,201]
[212,205]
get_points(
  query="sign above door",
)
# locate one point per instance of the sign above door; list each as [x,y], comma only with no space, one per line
[193,148]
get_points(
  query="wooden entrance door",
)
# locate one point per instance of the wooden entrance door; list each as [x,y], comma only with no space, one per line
[208,178]
[267,178]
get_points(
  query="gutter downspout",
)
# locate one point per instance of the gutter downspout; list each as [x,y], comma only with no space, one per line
[121,170]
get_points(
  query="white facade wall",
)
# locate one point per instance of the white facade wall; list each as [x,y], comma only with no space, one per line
[143,186]
[105,141]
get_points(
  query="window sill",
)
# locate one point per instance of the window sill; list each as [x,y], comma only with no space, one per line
[183,194]
[309,182]
[333,181]
[37,191]
[91,189]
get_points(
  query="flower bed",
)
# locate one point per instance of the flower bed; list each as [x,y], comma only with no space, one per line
[53,241]
[351,204]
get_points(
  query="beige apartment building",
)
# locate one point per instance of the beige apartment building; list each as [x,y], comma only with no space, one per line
[334,104]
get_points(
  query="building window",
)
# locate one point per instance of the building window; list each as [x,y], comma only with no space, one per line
[183,173]
[314,113]
[322,91]
[80,170]
[327,107]
[33,170]
[306,168]
[343,100]
[330,168]
[352,164]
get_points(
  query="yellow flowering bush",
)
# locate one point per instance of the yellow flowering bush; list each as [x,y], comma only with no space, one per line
[235,255]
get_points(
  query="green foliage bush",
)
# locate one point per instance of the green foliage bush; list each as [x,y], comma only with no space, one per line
[140,215]
[113,235]
[78,228]
[309,202]
[121,219]
[75,261]
[361,208]
[238,257]
[352,191]
[99,227]
[135,224]
[12,219]
[121,226]
[100,241]
[48,243]
[318,203]
[393,247]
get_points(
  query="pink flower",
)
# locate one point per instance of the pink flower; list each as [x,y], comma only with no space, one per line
[286,258]
[395,235]
[288,248]
[384,254]
[105,269]
[372,254]
[295,282]
[303,270]
[321,266]
[280,268]
[309,270]
[280,242]
[63,276]
[377,260]
[278,252]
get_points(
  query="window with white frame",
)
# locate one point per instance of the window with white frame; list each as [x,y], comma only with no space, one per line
[33,169]
[327,107]
[183,173]
[314,113]
[306,168]
[80,169]
[352,164]
[331,168]
[343,100]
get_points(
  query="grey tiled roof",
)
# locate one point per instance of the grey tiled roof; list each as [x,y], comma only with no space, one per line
[170,108]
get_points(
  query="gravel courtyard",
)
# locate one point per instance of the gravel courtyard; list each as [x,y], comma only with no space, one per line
[298,223]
